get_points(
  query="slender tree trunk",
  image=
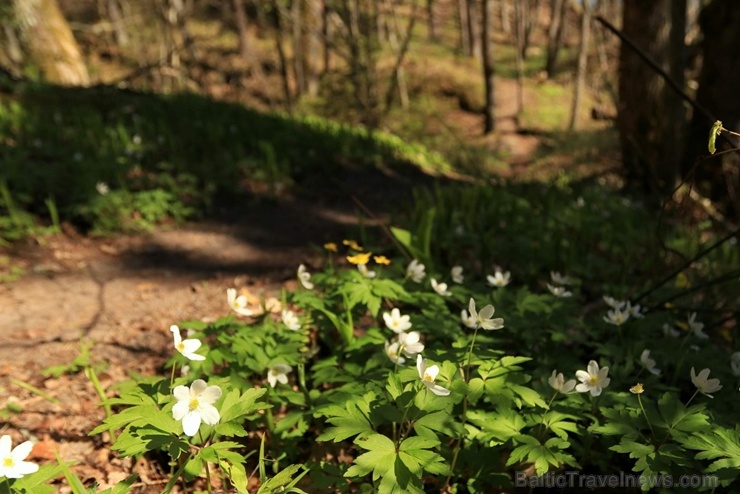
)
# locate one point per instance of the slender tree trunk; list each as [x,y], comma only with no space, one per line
[488,68]
[14,52]
[474,29]
[49,42]
[296,14]
[282,58]
[674,104]
[519,30]
[431,27]
[313,46]
[465,46]
[328,35]
[555,35]
[116,19]
[506,17]
[580,85]
[398,76]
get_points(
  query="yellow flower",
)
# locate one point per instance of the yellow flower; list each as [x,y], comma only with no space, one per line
[361,258]
[352,245]
[637,389]
[382,260]
[331,246]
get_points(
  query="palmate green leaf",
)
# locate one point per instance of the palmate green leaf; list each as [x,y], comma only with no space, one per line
[677,418]
[622,422]
[415,453]
[542,455]
[380,456]
[238,405]
[628,445]
[528,396]
[560,423]
[498,426]
[723,446]
[122,487]
[283,481]
[347,421]
[440,421]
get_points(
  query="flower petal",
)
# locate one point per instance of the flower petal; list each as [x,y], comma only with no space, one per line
[21,451]
[209,414]
[180,409]
[5,446]
[197,388]
[191,423]
[181,393]
[210,395]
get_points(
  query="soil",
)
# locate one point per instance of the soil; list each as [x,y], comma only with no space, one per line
[121,295]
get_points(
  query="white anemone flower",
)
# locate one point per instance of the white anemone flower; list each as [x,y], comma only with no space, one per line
[304,277]
[484,318]
[559,291]
[499,279]
[593,380]
[396,322]
[392,350]
[237,304]
[614,303]
[468,320]
[649,363]
[457,275]
[703,383]
[415,271]
[278,373]
[617,316]
[13,464]
[634,310]
[195,404]
[559,384]
[290,320]
[696,327]
[410,343]
[102,188]
[735,364]
[669,330]
[186,347]
[559,279]
[440,288]
[367,273]
[428,375]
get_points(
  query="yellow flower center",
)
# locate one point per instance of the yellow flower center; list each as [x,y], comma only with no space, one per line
[193,405]
[8,462]
[181,346]
[427,378]
[593,380]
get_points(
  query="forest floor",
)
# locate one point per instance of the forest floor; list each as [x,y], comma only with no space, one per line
[119,295]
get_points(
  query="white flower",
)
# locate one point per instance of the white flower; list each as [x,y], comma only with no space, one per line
[649,363]
[428,375]
[696,327]
[278,373]
[290,320]
[614,303]
[304,277]
[484,318]
[441,288]
[617,317]
[668,330]
[12,461]
[415,271]
[396,322]
[367,273]
[457,276]
[735,363]
[186,347]
[559,279]
[703,384]
[593,380]
[391,349]
[409,343]
[558,383]
[102,188]
[559,291]
[195,404]
[634,310]
[468,320]
[237,304]
[499,279]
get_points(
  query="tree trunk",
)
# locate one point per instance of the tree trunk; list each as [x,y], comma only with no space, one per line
[488,69]
[554,35]
[465,46]
[282,58]
[313,45]
[296,14]
[506,16]
[641,115]
[49,42]
[582,61]
[474,31]
[430,21]
[116,19]
[328,34]
[719,81]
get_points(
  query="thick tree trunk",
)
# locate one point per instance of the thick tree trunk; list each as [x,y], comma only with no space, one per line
[719,81]
[49,42]
[580,86]
[488,68]
[296,15]
[641,114]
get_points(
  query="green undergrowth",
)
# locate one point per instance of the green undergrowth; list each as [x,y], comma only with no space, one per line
[120,161]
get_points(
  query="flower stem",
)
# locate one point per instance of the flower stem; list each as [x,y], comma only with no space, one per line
[172,377]
[692,397]
[639,400]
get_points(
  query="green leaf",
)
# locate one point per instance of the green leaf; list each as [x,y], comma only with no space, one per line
[347,422]
[379,459]
[714,132]
[236,405]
